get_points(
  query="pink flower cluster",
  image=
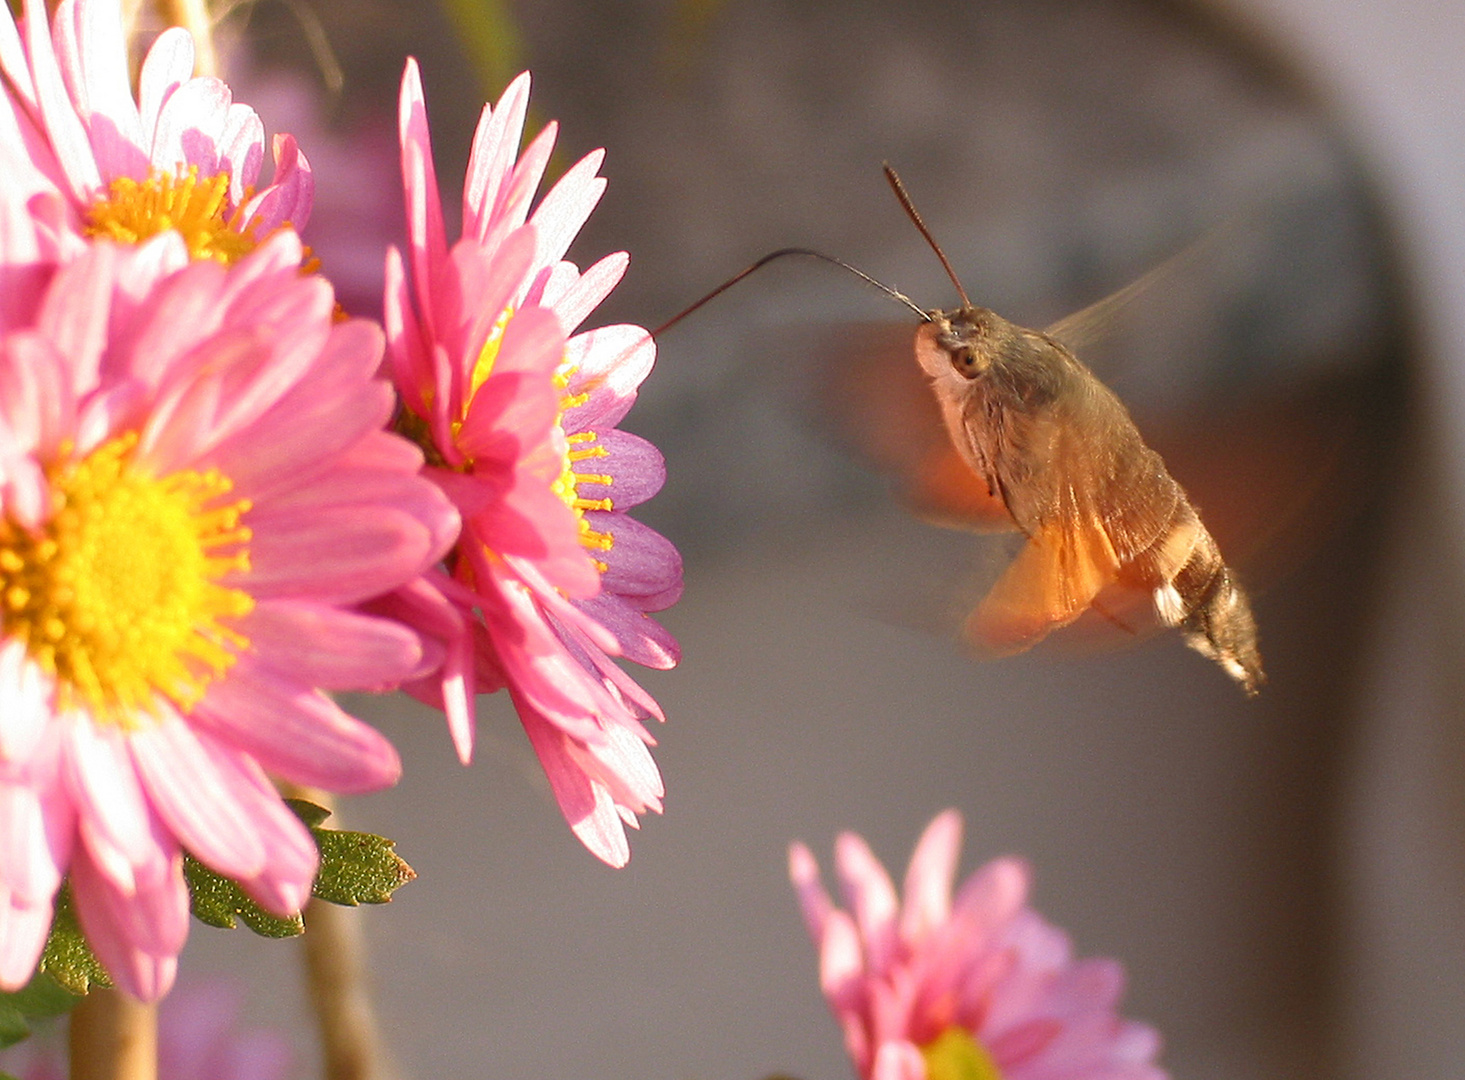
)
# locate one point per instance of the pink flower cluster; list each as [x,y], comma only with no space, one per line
[979,988]
[216,508]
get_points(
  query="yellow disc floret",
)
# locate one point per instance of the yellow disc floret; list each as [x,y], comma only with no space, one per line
[956,1055]
[131,211]
[117,595]
[580,447]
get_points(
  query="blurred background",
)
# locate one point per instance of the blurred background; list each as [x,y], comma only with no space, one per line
[1282,877]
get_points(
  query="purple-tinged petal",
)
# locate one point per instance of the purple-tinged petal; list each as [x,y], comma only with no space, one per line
[609,364]
[641,562]
[641,639]
[636,468]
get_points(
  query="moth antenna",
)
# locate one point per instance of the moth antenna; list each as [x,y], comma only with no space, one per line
[780,253]
[910,209]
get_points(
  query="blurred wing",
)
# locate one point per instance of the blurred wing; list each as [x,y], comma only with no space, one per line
[879,402]
[1053,580]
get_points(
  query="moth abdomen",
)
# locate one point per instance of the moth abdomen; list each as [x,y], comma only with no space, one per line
[1204,600]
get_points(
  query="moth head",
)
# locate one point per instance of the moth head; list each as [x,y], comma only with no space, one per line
[965,336]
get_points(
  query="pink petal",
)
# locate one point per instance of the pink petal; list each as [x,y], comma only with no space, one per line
[610,364]
[929,879]
[117,824]
[898,1061]
[427,239]
[241,149]
[168,65]
[586,804]
[495,144]
[197,793]
[814,901]
[323,646]
[586,291]
[23,930]
[567,207]
[25,702]
[188,127]
[343,555]
[869,893]
[105,89]
[68,137]
[288,198]
[136,936]
[297,733]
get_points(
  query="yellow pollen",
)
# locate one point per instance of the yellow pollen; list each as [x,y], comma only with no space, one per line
[582,446]
[117,595]
[956,1055]
[489,354]
[133,211]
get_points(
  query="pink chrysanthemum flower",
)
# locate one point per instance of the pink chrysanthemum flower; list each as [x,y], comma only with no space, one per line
[551,578]
[196,493]
[982,989]
[79,149]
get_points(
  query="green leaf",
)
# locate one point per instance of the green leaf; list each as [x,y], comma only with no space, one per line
[355,868]
[67,957]
[13,1024]
[358,868]
[42,997]
[220,902]
[308,811]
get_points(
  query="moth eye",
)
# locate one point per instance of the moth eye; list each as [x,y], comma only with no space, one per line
[965,363]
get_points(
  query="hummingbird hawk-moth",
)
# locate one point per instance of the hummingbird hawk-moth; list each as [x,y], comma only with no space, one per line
[1105,522]
[1037,443]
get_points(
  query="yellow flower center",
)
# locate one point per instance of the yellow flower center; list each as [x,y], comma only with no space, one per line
[956,1055]
[580,447]
[117,596]
[133,211]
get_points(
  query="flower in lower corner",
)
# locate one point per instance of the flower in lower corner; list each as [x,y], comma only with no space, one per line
[979,988]
[181,155]
[197,494]
[517,413]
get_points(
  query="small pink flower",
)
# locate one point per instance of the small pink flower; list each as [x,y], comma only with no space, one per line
[199,1038]
[77,148]
[196,494]
[982,988]
[551,579]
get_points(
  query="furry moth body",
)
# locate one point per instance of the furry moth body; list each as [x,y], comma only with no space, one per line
[1105,522]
